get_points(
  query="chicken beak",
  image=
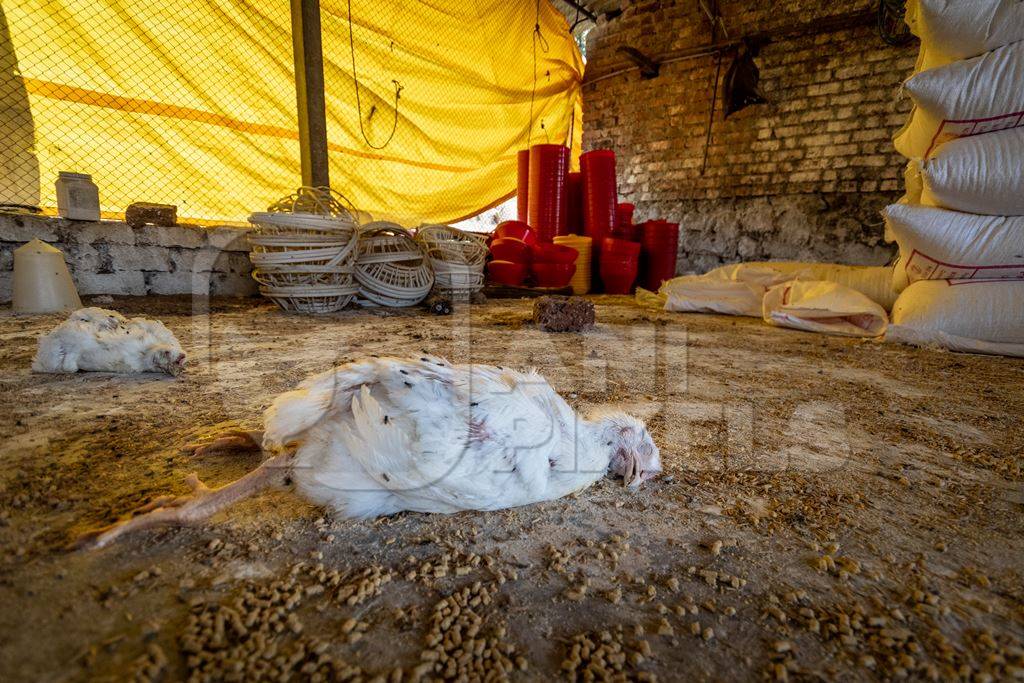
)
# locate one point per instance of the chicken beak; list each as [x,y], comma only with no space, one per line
[632,478]
[177,366]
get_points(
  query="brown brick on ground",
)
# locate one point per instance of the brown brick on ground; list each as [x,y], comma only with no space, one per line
[143,213]
[563,314]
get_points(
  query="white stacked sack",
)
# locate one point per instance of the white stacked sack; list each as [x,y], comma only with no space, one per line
[936,244]
[977,174]
[960,228]
[969,97]
[977,316]
[951,30]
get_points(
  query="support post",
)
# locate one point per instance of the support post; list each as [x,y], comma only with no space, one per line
[309,91]
[579,7]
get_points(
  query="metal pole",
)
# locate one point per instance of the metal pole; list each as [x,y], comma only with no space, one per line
[582,10]
[711,114]
[309,91]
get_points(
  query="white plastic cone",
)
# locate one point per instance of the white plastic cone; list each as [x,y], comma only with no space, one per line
[42,283]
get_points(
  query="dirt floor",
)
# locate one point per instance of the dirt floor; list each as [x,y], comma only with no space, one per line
[831,509]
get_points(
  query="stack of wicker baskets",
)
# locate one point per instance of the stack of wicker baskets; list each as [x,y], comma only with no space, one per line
[303,251]
[457,258]
[391,267]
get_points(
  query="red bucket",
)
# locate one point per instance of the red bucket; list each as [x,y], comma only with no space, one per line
[549,168]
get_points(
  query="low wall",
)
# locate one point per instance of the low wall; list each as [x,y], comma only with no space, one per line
[834,228]
[111,257]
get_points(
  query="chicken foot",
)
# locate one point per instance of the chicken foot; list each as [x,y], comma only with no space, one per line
[228,440]
[203,503]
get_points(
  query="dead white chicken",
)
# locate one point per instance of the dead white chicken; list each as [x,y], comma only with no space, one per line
[384,435]
[98,318]
[98,340]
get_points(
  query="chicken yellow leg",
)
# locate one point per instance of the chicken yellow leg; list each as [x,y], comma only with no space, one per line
[228,440]
[191,509]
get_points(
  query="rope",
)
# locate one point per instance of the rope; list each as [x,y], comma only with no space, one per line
[359,105]
[572,117]
[537,35]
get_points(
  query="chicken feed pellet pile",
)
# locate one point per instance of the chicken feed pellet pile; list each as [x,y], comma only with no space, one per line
[830,508]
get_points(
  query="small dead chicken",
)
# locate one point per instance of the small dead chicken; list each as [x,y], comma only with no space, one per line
[384,435]
[98,340]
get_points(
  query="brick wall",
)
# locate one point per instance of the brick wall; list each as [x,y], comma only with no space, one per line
[110,257]
[801,177]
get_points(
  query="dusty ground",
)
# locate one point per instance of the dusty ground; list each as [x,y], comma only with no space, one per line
[831,509]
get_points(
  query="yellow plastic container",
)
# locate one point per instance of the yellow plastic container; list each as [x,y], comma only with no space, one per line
[581,279]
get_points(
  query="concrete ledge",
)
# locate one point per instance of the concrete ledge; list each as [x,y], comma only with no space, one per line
[111,257]
[834,228]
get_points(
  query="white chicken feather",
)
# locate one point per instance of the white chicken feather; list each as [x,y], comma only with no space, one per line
[387,434]
[98,340]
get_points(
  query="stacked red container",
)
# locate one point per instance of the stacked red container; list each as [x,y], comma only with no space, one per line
[523,185]
[624,228]
[549,168]
[574,205]
[600,197]
[599,193]
[620,261]
[660,243]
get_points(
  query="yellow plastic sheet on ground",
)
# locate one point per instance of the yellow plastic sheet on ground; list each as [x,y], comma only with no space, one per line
[194,103]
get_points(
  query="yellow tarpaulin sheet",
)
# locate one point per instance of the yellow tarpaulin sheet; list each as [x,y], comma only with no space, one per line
[194,103]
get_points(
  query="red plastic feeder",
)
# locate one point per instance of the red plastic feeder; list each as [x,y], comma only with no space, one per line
[522,185]
[506,273]
[599,192]
[618,274]
[599,200]
[615,248]
[553,253]
[624,227]
[619,264]
[549,168]
[553,274]
[510,249]
[517,229]
[660,244]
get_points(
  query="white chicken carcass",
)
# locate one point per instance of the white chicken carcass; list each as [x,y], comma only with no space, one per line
[98,340]
[98,318]
[385,435]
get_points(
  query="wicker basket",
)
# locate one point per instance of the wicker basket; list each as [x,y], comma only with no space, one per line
[457,258]
[267,223]
[305,261]
[391,267]
[307,298]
